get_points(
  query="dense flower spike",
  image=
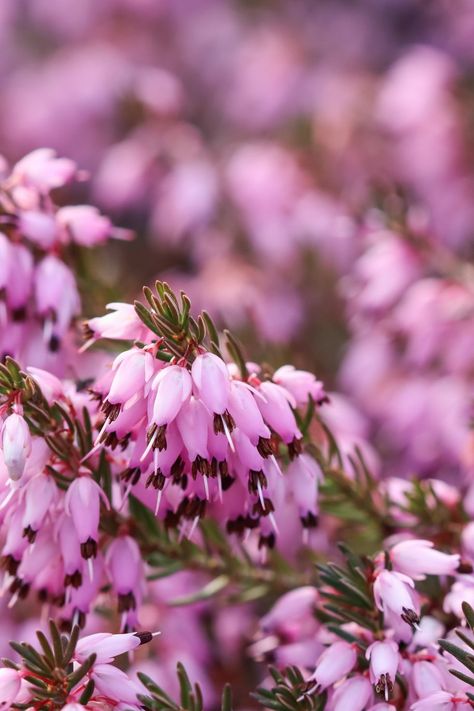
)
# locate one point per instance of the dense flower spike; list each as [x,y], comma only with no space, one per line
[37,288]
[197,429]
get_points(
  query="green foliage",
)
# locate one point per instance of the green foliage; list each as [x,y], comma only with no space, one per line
[190,698]
[464,654]
[290,693]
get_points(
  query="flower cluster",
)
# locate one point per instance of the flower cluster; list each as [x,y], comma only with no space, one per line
[361,640]
[76,673]
[201,431]
[39,295]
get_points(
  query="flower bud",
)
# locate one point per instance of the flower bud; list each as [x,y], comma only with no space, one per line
[16,445]
[333,664]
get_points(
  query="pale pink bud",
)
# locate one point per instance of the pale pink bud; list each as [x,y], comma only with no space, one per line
[73,706]
[39,227]
[418,558]
[70,548]
[443,701]
[20,281]
[5,260]
[85,224]
[121,324]
[82,503]
[41,492]
[124,564]
[211,378]
[334,663]
[384,660]
[276,410]
[56,294]
[42,170]
[130,368]
[173,387]
[193,423]
[395,592]
[353,694]
[113,683]
[427,678]
[16,445]
[108,646]
[10,683]
[49,384]
[293,614]
[300,383]
[245,412]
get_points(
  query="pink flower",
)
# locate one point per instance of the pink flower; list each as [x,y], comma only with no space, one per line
[40,494]
[443,701]
[125,571]
[130,374]
[293,614]
[211,379]
[245,412]
[114,684]
[39,227]
[275,406]
[57,298]
[10,683]
[353,694]
[172,387]
[384,661]
[121,324]
[85,224]
[427,678]
[333,664]
[394,592]
[300,383]
[20,281]
[418,558]
[42,170]
[108,646]
[82,503]
[16,445]
[193,421]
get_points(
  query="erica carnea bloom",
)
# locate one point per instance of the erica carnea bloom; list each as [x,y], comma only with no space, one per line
[394,592]
[10,684]
[353,693]
[334,663]
[418,558]
[16,444]
[384,660]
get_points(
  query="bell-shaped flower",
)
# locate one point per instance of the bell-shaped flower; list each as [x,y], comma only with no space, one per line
[418,558]
[172,387]
[394,592]
[107,646]
[443,701]
[193,423]
[82,503]
[70,550]
[125,567]
[293,614]
[43,170]
[122,324]
[39,227]
[384,660]
[130,372]
[427,678]
[40,494]
[16,445]
[300,383]
[84,224]
[20,278]
[353,694]
[245,412]
[10,684]
[212,382]
[275,406]
[49,384]
[57,298]
[113,683]
[334,663]
[6,261]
